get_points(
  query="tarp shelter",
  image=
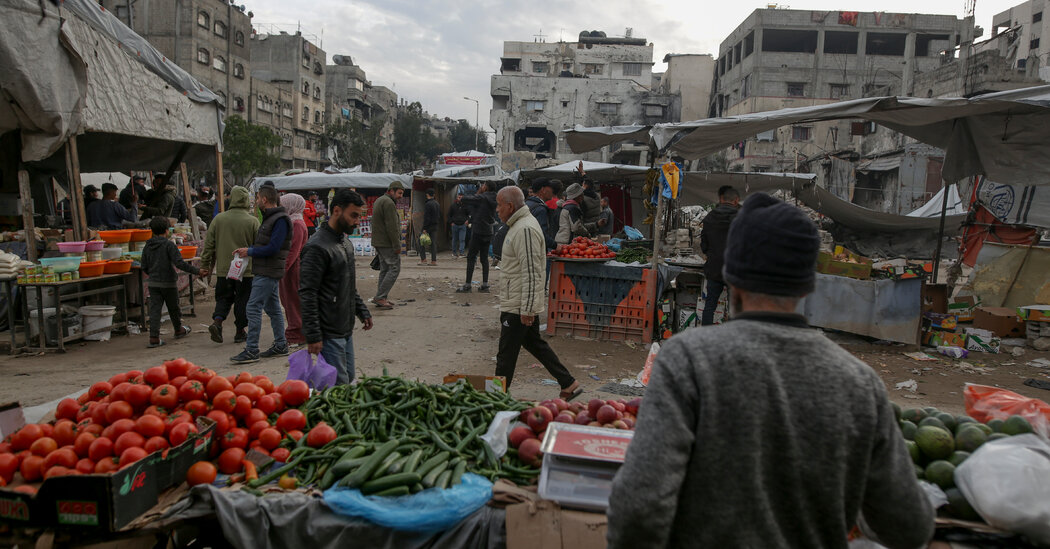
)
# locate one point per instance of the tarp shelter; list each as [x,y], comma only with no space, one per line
[583,139]
[933,207]
[318,181]
[1011,275]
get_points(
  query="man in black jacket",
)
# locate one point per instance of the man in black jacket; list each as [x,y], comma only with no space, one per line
[431,220]
[482,214]
[328,287]
[458,214]
[713,243]
[543,189]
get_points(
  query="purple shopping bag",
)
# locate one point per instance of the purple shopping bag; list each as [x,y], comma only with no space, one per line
[319,375]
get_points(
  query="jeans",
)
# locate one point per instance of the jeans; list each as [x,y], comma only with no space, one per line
[432,231]
[230,293]
[264,298]
[479,249]
[390,267]
[459,238]
[714,291]
[513,336]
[340,354]
[158,298]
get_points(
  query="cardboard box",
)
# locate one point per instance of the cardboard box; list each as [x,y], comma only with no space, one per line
[545,524]
[488,384]
[940,321]
[939,338]
[935,298]
[1034,313]
[963,308]
[1001,321]
[856,267]
[982,341]
[688,317]
[106,502]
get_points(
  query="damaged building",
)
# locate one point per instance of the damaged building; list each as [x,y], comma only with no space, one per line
[544,88]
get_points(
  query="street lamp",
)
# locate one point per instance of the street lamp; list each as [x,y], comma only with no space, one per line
[477,111]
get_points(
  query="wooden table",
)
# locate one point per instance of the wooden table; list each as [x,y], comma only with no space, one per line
[108,283]
[8,285]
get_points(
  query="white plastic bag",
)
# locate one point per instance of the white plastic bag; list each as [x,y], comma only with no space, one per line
[647,370]
[237,267]
[1007,481]
[496,435]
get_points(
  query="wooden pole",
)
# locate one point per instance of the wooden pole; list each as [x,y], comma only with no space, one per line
[27,213]
[221,195]
[77,200]
[189,205]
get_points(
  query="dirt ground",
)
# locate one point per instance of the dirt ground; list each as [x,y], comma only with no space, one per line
[435,331]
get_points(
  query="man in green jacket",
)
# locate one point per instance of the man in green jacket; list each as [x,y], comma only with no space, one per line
[386,239]
[235,228]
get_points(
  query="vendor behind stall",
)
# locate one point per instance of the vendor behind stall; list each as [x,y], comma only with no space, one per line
[761,432]
[161,200]
[108,213]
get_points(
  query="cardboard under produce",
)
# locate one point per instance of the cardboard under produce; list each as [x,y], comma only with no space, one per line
[1001,321]
[545,524]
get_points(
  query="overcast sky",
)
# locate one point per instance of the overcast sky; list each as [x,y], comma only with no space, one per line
[438,51]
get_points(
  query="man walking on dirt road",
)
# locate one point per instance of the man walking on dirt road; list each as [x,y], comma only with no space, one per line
[386,239]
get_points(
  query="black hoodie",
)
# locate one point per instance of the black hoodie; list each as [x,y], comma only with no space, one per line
[160,257]
[713,239]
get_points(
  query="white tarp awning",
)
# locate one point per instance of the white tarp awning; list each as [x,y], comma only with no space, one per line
[932,208]
[583,139]
[881,164]
[322,181]
[76,70]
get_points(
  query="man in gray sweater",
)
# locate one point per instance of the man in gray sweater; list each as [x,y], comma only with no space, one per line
[761,432]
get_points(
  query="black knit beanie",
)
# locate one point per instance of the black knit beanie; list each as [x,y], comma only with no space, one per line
[771,249]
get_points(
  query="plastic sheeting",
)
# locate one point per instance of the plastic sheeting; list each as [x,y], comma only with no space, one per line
[1015,204]
[582,139]
[318,180]
[933,207]
[295,519]
[78,71]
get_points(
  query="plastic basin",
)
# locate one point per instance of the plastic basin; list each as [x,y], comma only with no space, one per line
[71,247]
[188,252]
[62,264]
[116,237]
[141,235]
[95,268]
[117,267]
[96,317]
[109,254]
[94,245]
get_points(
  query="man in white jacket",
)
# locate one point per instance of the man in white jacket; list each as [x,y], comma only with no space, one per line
[521,297]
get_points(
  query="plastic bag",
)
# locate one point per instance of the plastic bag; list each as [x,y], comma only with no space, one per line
[985,403]
[427,511]
[319,375]
[1007,482]
[647,370]
[632,233]
[496,436]
[237,267]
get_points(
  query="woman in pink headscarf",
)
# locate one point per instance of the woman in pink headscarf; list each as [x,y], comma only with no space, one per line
[289,287]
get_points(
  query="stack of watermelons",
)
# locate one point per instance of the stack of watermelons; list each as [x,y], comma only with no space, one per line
[938,442]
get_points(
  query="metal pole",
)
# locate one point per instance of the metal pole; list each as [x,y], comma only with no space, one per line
[940,235]
[477,119]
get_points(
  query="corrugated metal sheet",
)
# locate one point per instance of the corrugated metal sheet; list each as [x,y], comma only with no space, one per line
[886,309]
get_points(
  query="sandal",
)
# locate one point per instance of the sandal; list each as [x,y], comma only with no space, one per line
[571,392]
[181,334]
[155,344]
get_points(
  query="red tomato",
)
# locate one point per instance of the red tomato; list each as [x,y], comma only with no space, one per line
[5,448]
[225,401]
[155,443]
[196,407]
[217,385]
[155,376]
[192,390]
[119,427]
[119,392]
[280,454]
[254,415]
[131,455]
[230,461]
[294,392]
[82,444]
[106,466]
[138,395]
[100,448]
[120,410]
[65,432]
[43,446]
[67,409]
[267,404]
[235,438]
[132,374]
[118,379]
[31,468]
[63,457]
[294,434]
[149,426]
[259,449]
[47,429]
[222,422]
[57,471]
[8,465]
[181,432]
[242,407]
[320,435]
[99,390]
[201,374]
[202,472]
[291,420]
[243,377]
[93,428]
[177,418]
[255,428]
[84,412]
[250,390]
[157,411]
[23,438]
[177,367]
[179,381]
[85,466]
[280,401]
[264,383]
[130,439]
[269,438]
[98,412]
[165,396]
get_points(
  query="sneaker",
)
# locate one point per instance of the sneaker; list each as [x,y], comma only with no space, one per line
[240,337]
[245,357]
[274,350]
[216,332]
[484,288]
[464,289]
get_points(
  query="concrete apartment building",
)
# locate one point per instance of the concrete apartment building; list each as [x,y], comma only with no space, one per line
[207,38]
[779,58]
[294,64]
[1031,42]
[689,75]
[598,80]
[349,95]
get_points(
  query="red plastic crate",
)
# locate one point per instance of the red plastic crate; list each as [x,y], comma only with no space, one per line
[602,302]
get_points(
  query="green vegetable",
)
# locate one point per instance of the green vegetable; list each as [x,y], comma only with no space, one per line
[364,472]
[389,481]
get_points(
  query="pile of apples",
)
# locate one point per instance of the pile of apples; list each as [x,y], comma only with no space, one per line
[611,414]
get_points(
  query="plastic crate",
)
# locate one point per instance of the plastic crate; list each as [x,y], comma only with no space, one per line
[602,302]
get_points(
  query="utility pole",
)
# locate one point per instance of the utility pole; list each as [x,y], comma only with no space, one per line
[477,114]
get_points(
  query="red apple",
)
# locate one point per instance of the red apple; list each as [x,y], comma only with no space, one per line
[564,417]
[633,405]
[593,405]
[550,406]
[576,407]
[524,416]
[520,434]
[583,418]
[606,414]
[529,452]
[539,417]
[629,422]
[619,424]
[561,404]
[618,405]
[594,424]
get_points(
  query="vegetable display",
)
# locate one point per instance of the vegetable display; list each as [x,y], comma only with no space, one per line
[630,255]
[583,248]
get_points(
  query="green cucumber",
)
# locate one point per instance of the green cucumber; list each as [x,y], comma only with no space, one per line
[432,462]
[389,481]
[362,473]
[397,466]
[431,478]
[394,492]
[443,478]
[457,473]
[413,461]
[381,470]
